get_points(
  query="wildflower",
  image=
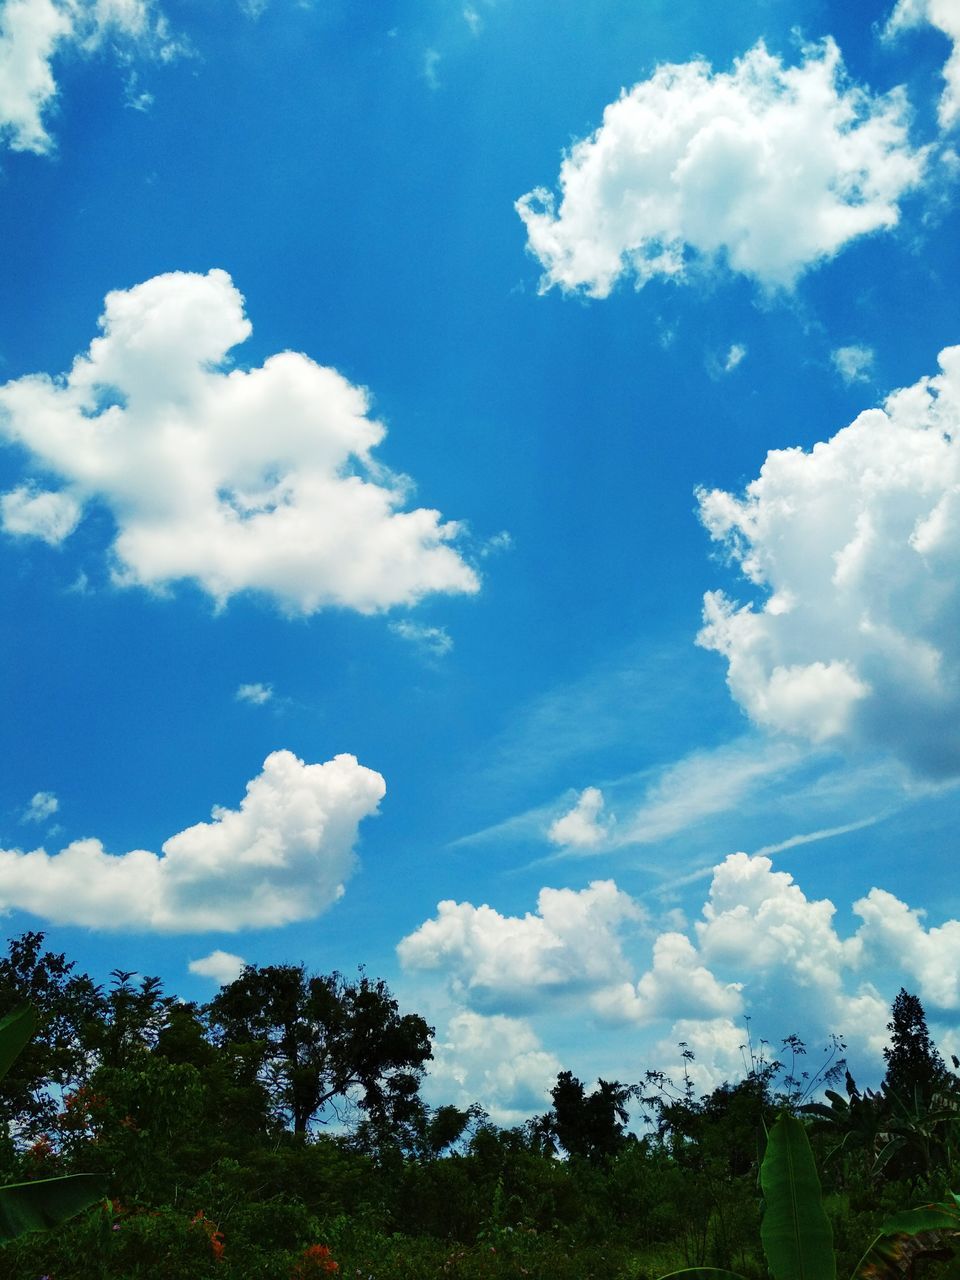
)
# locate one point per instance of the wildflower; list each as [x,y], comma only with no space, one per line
[316,1260]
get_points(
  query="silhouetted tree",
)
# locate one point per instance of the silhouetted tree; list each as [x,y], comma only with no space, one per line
[914,1065]
[314,1040]
[592,1125]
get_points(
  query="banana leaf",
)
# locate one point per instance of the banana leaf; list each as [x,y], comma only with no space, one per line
[37,1206]
[795,1232]
[16,1030]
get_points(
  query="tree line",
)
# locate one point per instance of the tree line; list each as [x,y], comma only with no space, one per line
[279,1132]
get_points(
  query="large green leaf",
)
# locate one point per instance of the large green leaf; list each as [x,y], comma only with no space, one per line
[15,1032]
[796,1233]
[37,1206]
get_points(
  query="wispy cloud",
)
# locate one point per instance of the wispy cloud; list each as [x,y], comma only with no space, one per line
[435,642]
[41,807]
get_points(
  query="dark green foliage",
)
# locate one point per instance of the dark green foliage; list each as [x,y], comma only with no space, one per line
[591,1126]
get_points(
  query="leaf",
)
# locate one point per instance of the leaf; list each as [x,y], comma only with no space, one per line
[796,1233]
[892,1257]
[702,1273]
[37,1206]
[16,1030]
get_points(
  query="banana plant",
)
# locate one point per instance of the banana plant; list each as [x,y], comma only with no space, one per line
[795,1232]
[45,1202]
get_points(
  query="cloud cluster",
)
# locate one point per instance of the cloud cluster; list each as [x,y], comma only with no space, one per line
[945,16]
[237,480]
[571,944]
[760,948]
[282,856]
[33,32]
[767,168]
[257,694]
[856,547]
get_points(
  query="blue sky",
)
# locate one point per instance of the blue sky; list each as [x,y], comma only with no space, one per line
[380,389]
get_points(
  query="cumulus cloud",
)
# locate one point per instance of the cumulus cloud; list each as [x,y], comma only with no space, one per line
[282,856]
[945,16]
[734,357]
[572,943]
[223,966]
[496,1061]
[853,363]
[235,479]
[583,826]
[256,694]
[34,32]
[678,986]
[767,168]
[856,547]
[41,807]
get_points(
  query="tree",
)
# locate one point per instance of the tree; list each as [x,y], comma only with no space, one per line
[915,1069]
[588,1125]
[70,1010]
[315,1040]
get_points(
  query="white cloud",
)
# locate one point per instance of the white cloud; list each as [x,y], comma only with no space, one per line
[282,856]
[853,363]
[767,168]
[582,827]
[41,807]
[238,480]
[496,1061]
[856,546]
[30,513]
[734,357]
[498,961]
[256,694]
[435,641]
[945,16]
[223,966]
[34,32]
[677,986]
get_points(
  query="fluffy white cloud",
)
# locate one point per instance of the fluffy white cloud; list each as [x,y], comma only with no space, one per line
[768,168]
[257,694]
[853,363]
[42,806]
[930,958]
[856,545]
[282,856]
[222,966]
[572,943]
[33,32]
[496,1061]
[677,986]
[945,15]
[734,357]
[238,480]
[583,827]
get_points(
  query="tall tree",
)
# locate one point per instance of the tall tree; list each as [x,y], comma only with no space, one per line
[914,1065]
[589,1125]
[316,1040]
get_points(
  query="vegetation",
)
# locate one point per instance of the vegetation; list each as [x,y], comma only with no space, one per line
[278,1133]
